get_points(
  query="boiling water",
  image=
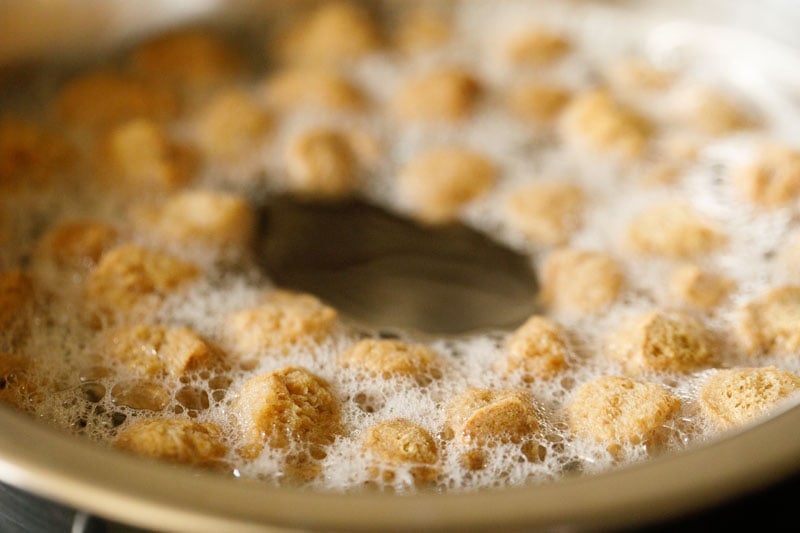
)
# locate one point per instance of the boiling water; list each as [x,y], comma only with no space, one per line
[743,66]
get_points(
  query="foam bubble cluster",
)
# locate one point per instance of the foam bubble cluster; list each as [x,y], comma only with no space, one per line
[134,314]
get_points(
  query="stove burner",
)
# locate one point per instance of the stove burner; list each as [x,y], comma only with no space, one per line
[21,512]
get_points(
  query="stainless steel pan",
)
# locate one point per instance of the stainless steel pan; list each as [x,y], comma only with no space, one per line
[69,470]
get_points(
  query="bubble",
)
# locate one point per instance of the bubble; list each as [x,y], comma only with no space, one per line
[92,397]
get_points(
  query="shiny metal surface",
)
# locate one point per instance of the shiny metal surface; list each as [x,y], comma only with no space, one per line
[385,271]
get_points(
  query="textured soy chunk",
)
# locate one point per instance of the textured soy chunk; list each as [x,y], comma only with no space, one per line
[770,324]
[29,154]
[231,125]
[438,183]
[131,281]
[175,440]
[663,341]
[483,416]
[157,350]
[673,229]
[76,244]
[596,120]
[301,88]
[142,155]
[538,350]
[213,219]
[99,99]
[773,179]
[391,358]
[16,304]
[443,94]
[283,321]
[322,163]
[698,288]
[285,407]
[713,113]
[538,103]
[422,29]
[580,281]
[5,227]
[334,32]
[737,396]
[399,443]
[141,394]
[637,75]
[15,383]
[546,212]
[189,58]
[536,47]
[615,411]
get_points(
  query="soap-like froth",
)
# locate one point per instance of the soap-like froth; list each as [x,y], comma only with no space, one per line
[81,394]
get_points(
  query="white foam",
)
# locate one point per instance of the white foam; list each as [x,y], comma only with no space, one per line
[523,155]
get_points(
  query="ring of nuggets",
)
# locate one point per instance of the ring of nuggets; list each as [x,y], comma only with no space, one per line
[133,310]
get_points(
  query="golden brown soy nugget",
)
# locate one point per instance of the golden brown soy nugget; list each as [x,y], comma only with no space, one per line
[17,298]
[285,319]
[301,88]
[285,407]
[140,154]
[15,383]
[5,227]
[391,358]
[98,99]
[673,229]
[580,281]
[439,182]
[231,125]
[322,163]
[175,440]
[596,120]
[770,323]
[698,288]
[616,411]
[330,33]
[76,244]
[663,341]
[202,217]
[153,351]
[773,179]
[672,155]
[538,349]
[537,102]
[399,443]
[713,113]
[637,75]
[30,155]
[536,47]
[547,212]
[131,281]
[367,146]
[736,396]
[142,394]
[482,416]
[422,29]
[443,94]
[190,58]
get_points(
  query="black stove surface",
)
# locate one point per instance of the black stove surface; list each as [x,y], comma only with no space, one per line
[774,507]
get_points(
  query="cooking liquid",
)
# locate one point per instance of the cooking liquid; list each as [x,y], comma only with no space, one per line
[741,65]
